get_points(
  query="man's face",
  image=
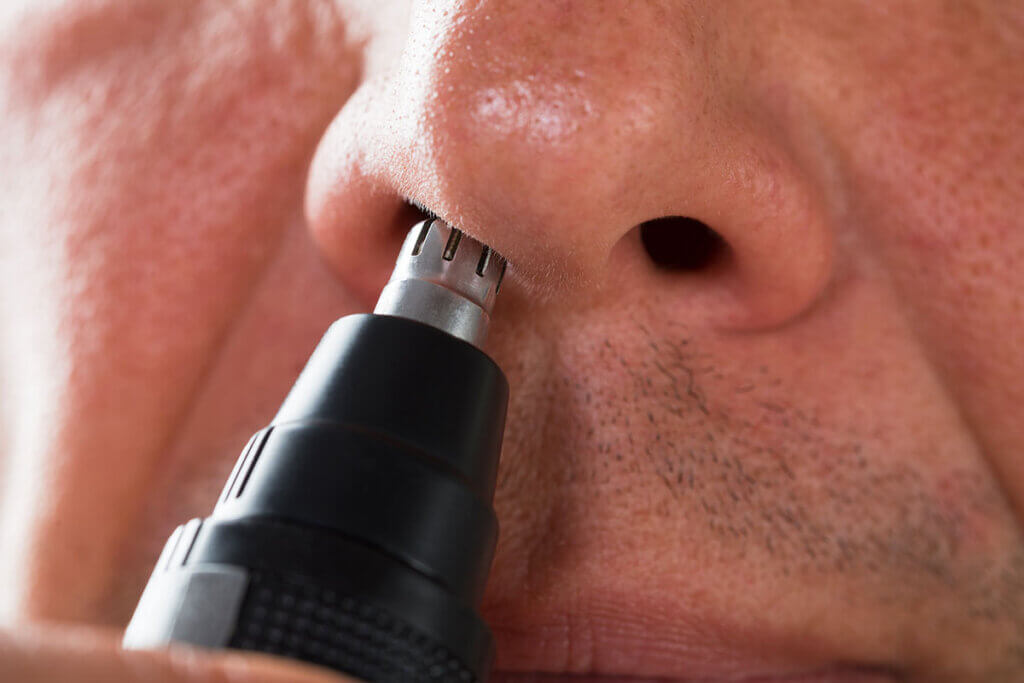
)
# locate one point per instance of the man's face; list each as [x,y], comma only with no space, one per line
[798,456]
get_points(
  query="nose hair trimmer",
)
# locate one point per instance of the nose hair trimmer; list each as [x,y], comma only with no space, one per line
[357,530]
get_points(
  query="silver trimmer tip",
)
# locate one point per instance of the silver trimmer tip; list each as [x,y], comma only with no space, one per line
[446,279]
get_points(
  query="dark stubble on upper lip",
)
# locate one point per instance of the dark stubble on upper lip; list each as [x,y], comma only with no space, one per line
[824,508]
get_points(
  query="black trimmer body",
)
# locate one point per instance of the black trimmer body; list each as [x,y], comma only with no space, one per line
[357,530]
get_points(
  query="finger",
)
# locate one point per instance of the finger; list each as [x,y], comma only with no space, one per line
[38,654]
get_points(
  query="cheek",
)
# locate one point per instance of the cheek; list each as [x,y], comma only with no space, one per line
[919,108]
[160,151]
[940,183]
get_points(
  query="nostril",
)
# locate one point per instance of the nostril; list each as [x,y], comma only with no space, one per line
[681,243]
[411,213]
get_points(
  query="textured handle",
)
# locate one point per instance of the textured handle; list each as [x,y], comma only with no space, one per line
[247,585]
[293,616]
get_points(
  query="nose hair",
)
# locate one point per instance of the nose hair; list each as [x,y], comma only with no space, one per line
[549,133]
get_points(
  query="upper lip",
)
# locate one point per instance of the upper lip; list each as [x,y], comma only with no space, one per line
[644,639]
[845,675]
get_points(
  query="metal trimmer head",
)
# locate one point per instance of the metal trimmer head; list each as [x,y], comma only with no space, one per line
[446,279]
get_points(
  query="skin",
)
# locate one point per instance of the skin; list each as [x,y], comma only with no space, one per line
[803,461]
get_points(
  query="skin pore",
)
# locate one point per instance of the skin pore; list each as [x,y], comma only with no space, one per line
[798,463]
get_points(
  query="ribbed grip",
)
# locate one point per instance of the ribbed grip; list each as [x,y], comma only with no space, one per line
[292,616]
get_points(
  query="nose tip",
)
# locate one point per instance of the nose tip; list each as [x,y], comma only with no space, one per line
[532,157]
[517,135]
[527,132]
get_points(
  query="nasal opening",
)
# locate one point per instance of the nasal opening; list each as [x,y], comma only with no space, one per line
[680,243]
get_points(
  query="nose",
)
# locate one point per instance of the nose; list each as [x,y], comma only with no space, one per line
[551,130]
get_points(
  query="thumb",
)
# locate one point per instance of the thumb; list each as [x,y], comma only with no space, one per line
[35,654]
